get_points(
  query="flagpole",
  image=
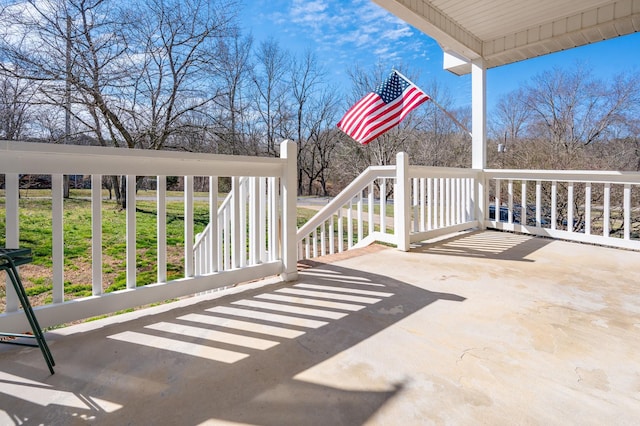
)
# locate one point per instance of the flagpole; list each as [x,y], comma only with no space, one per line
[455,120]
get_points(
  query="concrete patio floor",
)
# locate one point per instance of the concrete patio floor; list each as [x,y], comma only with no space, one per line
[481,328]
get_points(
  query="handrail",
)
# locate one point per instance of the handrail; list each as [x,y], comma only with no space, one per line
[357,185]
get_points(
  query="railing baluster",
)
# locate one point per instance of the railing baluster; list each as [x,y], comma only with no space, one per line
[275,220]
[12,230]
[371,208]
[332,244]
[315,242]
[360,224]
[57,236]
[447,201]
[270,219]
[213,224]
[161,224]
[96,235]
[242,242]
[627,211]
[422,204]
[442,202]
[607,210]
[254,230]
[467,199]
[414,204]
[570,204]
[131,232]
[523,203]
[383,206]
[460,200]
[340,232]
[350,225]
[226,221]
[510,206]
[262,214]
[188,227]
[429,203]
[323,241]
[554,204]
[587,209]
[538,203]
[498,202]
[235,222]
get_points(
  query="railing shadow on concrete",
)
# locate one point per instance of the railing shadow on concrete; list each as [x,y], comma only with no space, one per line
[236,357]
[485,245]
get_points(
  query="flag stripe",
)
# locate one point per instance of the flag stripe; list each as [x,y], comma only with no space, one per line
[363,113]
[381,109]
[356,111]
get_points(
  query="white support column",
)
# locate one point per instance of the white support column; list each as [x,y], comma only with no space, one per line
[402,202]
[288,151]
[479,132]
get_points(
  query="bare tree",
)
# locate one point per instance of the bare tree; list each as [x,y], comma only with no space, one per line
[306,82]
[322,141]
[270,99]
[15,104]
[571,109]
[234,68]
[133,81]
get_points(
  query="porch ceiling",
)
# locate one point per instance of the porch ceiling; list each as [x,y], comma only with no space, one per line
[506,31]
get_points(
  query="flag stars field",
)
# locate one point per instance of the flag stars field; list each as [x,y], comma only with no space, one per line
[382,109]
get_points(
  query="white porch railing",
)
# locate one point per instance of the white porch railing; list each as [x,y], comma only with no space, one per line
[426,202]
[599,207]
[219,265]
[252,234]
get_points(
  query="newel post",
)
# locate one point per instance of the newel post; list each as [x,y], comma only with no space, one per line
[402,202]
[288,152]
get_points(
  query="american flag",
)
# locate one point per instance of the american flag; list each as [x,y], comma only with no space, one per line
[382,109]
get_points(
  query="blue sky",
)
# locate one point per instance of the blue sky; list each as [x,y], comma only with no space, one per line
[346,32]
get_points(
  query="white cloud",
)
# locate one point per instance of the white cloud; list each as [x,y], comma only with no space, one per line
[359,26]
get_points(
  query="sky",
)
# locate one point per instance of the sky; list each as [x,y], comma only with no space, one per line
[346,32]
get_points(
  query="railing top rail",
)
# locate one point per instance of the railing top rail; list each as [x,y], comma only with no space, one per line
[357,185]
[31,158]
[429,171]
[594,176]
